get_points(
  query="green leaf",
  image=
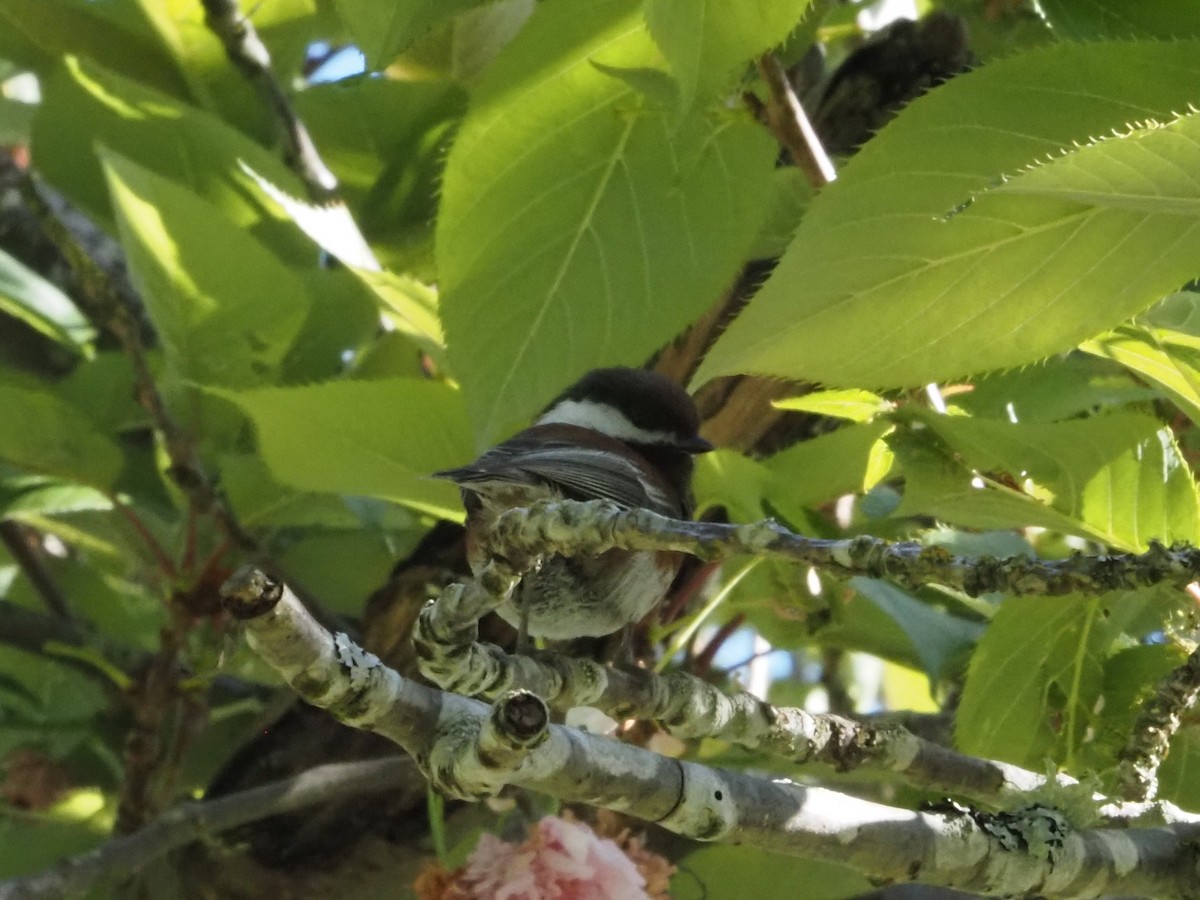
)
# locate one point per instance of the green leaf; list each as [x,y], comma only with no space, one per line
[382,30]
[21,495]
[16,120]
[823,468]
[578,227]
[897,278]
[85,106]
[857,406]
[225,308]
[1149,169]
[386,141]
[46,436]
[1118,478]
[936,636]
[1130,678]
[412,307]
[726,871]
[344,316]
[708,42]
[1178,781]
[1090,19]
[375,438]
[1060,388]
[213,81]
[341,568]
[732,480]
[1033,681]
[27,296]
[29,844]
[117,35]
[1167,358]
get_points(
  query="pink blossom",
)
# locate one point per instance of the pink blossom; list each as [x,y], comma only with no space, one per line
[561,860]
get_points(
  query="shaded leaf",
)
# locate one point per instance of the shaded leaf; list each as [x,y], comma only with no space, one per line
[86,106]
[1060,388]
[716,870]
[1178,781]
[382,30]
[376,438]
[225,307]
[936,636]
[116,35]
[1167,358]
[1118,478]
[55,439]
[25,494]
[822,468]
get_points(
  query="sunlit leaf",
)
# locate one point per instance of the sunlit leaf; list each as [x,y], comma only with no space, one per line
[1091,19]
[225,307]
[35,301]
[376,438]
[578,227]
[902,272]
[707,42]
[1118,478]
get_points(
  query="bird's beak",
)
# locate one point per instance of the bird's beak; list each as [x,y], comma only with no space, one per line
[697,444]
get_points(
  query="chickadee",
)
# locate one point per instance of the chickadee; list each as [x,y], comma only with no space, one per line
[624,435]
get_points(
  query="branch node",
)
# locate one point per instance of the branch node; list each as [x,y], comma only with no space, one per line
[249,593]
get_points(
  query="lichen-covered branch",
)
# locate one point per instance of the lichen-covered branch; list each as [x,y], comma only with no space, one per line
[471,750]
[571,528]
[1159,719]
[119,858]
[689,707]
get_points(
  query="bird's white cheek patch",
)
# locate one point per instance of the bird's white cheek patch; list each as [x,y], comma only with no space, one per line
[603,418]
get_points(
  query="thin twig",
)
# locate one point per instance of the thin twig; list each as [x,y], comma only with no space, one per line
[246,50]
[165,564]
[791,127]
[178,827]
[20,543]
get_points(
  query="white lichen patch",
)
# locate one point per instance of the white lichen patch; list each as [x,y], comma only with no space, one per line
[357,661]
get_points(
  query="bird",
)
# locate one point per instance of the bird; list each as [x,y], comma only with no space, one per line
[619,434]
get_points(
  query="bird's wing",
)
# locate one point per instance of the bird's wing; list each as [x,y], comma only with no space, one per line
[575,471]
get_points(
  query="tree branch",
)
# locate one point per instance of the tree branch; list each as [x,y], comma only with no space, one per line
[791,126]
[1159,719]
[450,655]
[471,751]
[121,857]
[248,53]
[570,528]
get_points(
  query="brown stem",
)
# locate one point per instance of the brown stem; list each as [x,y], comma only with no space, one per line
[790,124]
[153,697]
[165,564]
